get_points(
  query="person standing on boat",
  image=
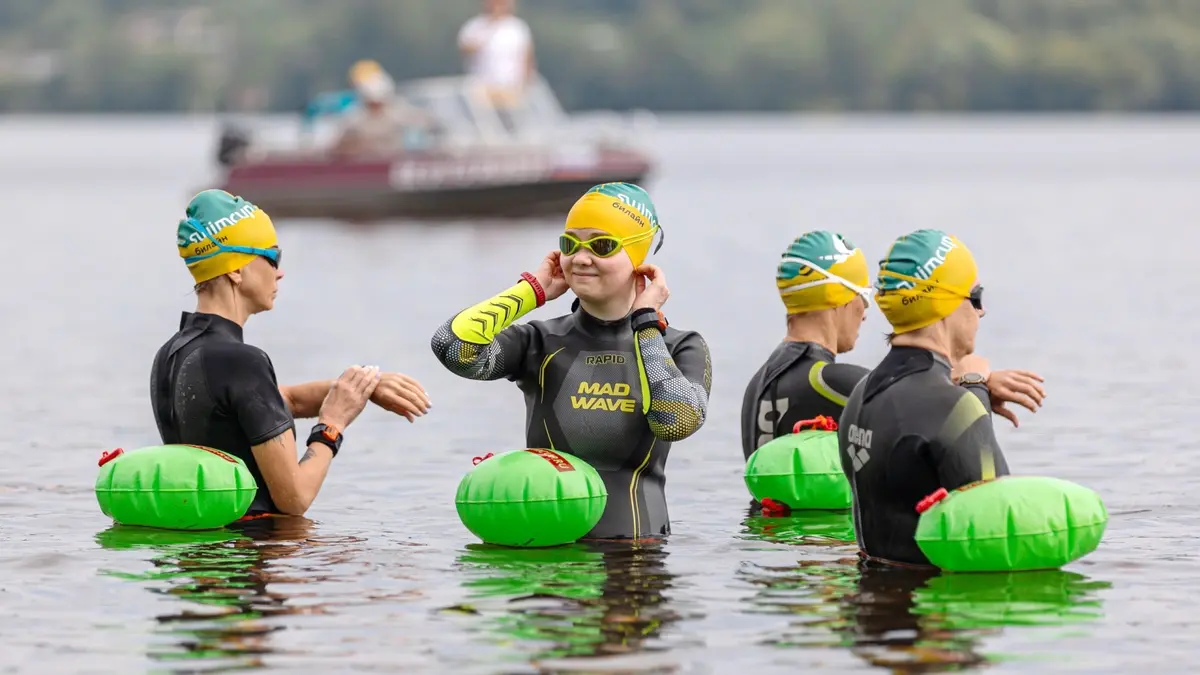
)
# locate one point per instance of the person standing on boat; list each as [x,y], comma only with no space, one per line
[384,124]
[921,419]
[210,388]
[824,284]
[611,382]
[497,46]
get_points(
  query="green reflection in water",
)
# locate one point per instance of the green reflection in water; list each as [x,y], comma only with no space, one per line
[913,621]
[586,599]
[221,576]
[801,527]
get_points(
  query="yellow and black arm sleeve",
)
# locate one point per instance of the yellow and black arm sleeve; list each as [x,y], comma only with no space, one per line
[481,342]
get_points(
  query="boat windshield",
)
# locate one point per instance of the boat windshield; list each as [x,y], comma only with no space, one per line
[468,114]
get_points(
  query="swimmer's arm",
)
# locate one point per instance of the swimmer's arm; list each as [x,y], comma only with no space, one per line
[966,450]
[293,485]
[481,342]
[675,387]
[304,400]
[836,380]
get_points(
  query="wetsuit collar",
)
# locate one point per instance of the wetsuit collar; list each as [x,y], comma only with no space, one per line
[591,324]
[818,352]
[210,322]
[899,363]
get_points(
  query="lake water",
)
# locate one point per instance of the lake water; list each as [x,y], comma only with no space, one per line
[1086,234]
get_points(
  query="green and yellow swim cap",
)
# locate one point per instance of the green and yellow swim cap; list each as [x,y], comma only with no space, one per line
[925,277]
[222,233]
[623,210]
[821,270]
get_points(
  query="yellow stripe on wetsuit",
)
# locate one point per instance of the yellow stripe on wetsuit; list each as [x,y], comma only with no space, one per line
[817,382]
[966,411]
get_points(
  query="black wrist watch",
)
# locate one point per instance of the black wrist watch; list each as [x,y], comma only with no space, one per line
[971,378]
[326,435]
[648,317]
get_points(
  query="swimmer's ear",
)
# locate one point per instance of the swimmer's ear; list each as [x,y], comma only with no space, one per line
[235,277]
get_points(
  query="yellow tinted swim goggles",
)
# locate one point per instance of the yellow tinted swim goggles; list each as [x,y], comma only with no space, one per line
[601,246]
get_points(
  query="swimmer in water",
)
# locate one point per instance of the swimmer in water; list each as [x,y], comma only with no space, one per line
[921,419]
[610,382]
[823,282]
[210,388]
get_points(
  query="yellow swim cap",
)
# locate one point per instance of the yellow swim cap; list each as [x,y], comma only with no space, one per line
[362,70]
[925,277]
[821,270]
[623,210]
[223,233]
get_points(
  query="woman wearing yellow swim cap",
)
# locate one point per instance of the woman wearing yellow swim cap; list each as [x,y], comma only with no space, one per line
[611,382]
[208,387]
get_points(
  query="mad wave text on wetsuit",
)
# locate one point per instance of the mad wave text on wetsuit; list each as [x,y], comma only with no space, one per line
[610,396]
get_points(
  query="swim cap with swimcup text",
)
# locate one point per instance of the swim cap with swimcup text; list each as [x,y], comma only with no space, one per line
[623,210]
[232,221]
[925,277]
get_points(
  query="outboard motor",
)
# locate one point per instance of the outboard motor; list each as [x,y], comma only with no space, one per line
[232,145]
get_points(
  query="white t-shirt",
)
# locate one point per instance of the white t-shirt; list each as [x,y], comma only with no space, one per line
[503,47]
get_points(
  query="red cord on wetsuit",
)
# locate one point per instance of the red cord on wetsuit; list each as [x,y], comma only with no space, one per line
[818,423]
[477,460]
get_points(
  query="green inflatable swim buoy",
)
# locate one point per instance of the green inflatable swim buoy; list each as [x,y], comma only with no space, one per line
[802,470]
[174,487]
[1010,524]
[531,497]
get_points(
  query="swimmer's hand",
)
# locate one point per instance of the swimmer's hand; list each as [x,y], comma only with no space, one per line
[652,291]
[401,394]
[550,275]
[348,395]
[1022,387]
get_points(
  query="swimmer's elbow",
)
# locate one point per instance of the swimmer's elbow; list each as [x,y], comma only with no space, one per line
[678,422]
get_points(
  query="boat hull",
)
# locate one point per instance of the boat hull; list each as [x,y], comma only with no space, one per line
[428,186]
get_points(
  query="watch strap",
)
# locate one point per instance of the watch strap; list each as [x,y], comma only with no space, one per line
[648,317]
[326,435]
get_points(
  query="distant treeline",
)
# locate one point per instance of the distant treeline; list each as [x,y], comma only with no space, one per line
[664,55]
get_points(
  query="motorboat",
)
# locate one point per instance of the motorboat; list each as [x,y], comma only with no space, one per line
[530,158]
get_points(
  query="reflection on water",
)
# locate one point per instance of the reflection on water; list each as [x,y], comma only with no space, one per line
[801,527]
[223,577]
[587,599]
[907,621]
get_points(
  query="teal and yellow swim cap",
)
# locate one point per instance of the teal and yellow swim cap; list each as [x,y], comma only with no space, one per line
[925,277]
[821,270]
[623,210]
[223,233]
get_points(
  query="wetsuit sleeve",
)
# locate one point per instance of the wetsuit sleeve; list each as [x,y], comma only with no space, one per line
[481,342]
[965,450]
[835,381]
[244,381]
[675,385]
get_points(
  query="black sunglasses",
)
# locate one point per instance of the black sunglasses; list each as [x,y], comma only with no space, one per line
[273,260]
[976,298]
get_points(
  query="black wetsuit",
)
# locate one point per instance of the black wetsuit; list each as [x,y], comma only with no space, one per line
[908,430]
[799,381]
[209,388]
[593,390]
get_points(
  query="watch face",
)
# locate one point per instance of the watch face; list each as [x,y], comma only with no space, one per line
[971,378]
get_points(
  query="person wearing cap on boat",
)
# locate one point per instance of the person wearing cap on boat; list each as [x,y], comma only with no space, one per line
[497,46]
[921,419]
[610,382]
[823,282]
[208,387]
[382,124]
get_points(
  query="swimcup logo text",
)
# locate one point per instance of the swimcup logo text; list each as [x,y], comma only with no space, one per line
[639,207]
[925,270]
[217,225]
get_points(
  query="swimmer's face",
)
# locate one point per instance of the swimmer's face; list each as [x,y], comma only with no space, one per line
[259,284]
[963,325]
[593,278]
[849,318]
